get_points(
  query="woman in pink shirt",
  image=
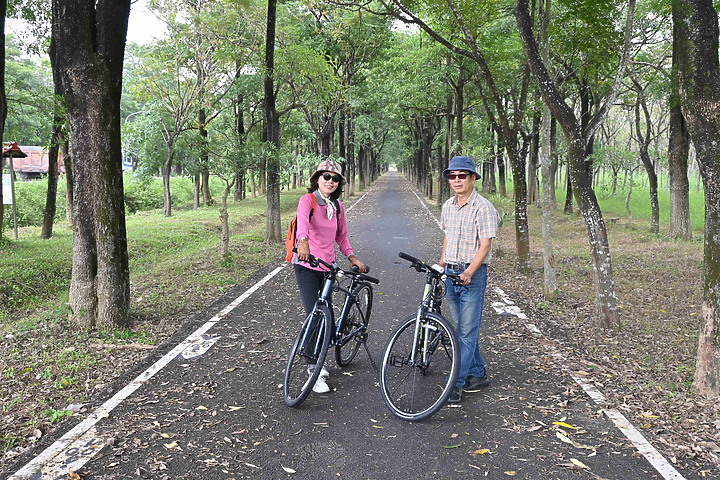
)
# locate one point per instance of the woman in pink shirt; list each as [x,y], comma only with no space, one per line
[318,230]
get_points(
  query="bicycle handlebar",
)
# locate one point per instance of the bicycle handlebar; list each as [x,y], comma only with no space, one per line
[315,261]
[421,266]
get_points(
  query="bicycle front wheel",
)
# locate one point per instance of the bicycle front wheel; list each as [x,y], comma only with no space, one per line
[414,389]
[354,329]
[307,356]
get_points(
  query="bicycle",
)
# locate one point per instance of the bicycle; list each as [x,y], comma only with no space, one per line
[421,361]
[320,331]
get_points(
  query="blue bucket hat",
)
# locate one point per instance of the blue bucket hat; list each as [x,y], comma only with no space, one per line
[461,162]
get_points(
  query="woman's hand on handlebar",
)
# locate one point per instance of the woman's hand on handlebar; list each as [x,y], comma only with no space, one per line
[303,250]
[355,262]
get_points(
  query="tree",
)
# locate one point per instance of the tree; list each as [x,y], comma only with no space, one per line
[678,153]
[550,285]
[89,42]
[3,104]
[578,138]
[696,26]
[165,81]
[271,134]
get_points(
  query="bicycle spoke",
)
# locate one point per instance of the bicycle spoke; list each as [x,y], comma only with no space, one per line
[416,390]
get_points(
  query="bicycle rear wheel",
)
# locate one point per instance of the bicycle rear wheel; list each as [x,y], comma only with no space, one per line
[356,321]
[415,391]
[310,348]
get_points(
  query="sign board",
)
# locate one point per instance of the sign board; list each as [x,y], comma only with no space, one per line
[6,189]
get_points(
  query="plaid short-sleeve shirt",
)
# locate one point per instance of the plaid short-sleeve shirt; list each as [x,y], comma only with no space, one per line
[465,225]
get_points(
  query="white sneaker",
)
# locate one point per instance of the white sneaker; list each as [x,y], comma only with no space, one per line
[321,385]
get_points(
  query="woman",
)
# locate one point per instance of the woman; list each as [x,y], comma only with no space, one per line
[318,229]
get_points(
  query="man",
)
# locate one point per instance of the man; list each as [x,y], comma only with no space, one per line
[470,223]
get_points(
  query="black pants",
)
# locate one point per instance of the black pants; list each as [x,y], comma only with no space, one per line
[309,283]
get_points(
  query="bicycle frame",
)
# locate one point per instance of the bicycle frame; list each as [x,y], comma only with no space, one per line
[329,285]
[428,304]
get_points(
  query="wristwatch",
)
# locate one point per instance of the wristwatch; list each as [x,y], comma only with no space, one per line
[302,238]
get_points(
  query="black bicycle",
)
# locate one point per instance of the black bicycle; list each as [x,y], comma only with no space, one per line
[422,358]
[321,330]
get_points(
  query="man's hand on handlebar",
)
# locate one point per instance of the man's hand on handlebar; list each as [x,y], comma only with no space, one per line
[465,278]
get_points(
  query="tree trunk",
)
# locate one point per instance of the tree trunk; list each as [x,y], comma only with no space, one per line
[51,196]
[55,141]
[696,28]
[69,181]
[550,284]
[644,143]
[678,153]
[272,131]
[166,171]
[90,43]
[225,222]
[3,105]
[578,140]
[196,191]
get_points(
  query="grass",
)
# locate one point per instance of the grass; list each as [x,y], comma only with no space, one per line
[613,206]
[175,267]
[35,274]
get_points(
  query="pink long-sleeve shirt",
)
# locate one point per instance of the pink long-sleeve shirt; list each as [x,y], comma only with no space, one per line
[322,232]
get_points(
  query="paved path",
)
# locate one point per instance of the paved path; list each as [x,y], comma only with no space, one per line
[212,408]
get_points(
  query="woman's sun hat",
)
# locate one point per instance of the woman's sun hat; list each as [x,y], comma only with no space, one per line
[328,166]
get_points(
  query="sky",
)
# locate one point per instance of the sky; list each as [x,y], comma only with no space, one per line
[143,26]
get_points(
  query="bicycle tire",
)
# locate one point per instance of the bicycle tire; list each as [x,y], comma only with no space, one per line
[357,319]
[416,392]
[317,330]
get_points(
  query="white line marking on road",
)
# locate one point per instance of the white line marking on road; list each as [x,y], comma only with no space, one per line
[432,215]
[643,446]
[77,439]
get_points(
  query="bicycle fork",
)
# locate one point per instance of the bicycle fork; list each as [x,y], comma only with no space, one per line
[421,340]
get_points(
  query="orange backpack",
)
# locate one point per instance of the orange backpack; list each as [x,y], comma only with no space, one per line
[292,231]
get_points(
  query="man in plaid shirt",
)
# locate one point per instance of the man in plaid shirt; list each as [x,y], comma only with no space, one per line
[470,223]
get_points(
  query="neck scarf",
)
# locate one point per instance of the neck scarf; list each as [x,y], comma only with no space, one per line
[330,205]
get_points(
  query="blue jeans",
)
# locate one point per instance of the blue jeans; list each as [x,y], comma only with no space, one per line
[466,306]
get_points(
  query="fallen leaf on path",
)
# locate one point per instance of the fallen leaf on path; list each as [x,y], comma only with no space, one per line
[481,451]
[574,443]
[579,464]
[566,425]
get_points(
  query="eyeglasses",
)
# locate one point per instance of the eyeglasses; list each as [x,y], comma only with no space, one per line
[461,176]
[334,178]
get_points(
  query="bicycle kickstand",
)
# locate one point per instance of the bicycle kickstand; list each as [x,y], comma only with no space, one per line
[372,362]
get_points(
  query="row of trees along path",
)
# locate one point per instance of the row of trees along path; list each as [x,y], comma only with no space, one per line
[87,49]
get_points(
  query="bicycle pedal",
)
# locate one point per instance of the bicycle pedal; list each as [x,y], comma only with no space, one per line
[361,337]
[397,361]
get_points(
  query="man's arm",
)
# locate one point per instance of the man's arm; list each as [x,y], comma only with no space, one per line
[478,259]
[441,262]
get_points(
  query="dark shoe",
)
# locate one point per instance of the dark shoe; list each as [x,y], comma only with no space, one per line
[455,395]
[474,384]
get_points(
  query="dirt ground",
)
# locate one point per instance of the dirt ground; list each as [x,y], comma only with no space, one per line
[644,365]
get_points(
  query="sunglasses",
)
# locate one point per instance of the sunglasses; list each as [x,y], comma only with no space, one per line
[461,176]
[329,176]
